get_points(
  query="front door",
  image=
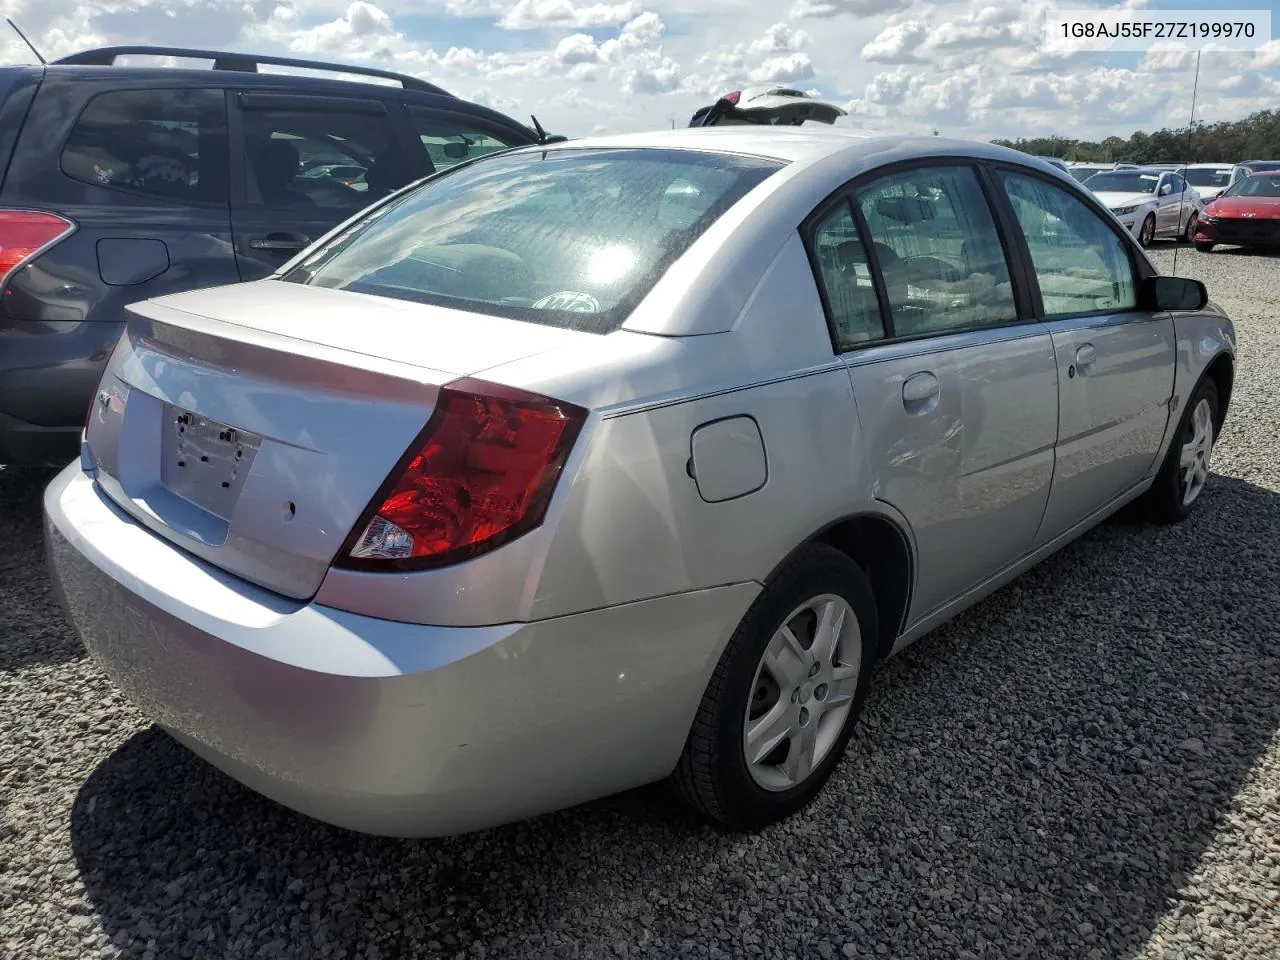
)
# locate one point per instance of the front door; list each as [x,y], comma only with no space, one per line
[1115,362]
[956,393]
[306,163]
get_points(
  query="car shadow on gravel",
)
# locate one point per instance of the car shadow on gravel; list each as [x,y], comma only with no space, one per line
[1039,778]
[32,628]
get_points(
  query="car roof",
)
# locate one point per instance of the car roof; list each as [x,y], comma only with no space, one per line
[802,145]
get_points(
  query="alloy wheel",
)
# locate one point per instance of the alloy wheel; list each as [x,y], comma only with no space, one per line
[1197,448]
[1147,234]
[802,692]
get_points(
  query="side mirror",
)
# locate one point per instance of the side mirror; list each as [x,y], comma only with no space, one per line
[456,150]
[1166,189]
[1158,294]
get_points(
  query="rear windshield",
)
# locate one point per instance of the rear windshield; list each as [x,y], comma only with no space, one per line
[568,238]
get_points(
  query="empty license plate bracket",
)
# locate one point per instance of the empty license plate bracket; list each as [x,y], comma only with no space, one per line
[206,462]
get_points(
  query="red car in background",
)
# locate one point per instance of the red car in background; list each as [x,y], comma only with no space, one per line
[1246,214]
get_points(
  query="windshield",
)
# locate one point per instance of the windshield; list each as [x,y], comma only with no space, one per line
[568,238]
[1208,176]
[1083,173]
[1123,181]
[1259,185]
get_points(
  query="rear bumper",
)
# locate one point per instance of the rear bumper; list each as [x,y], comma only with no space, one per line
[378,726]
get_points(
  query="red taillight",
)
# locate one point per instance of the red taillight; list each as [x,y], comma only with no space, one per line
[23,234]
[480,474]
[732,98]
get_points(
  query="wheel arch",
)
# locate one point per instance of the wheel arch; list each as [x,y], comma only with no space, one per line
[881,546]
[1222,371]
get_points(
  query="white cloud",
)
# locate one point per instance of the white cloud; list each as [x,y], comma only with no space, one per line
[533,14]
[577,48]
[896,43]
[856,8]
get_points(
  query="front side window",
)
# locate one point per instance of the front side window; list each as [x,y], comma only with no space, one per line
[841,258]
[938,251]
[1082,266]
[167,145]
[449,140]
[569,237]
[319,160]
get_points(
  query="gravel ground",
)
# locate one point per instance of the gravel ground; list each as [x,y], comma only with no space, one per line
[1084,766]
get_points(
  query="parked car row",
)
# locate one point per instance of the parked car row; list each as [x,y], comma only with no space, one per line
[1203,203]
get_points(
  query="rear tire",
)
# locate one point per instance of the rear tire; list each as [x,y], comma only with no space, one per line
[1189,234]
[796,705]
[1182,476]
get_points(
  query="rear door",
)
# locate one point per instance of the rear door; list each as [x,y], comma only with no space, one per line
[956,389]
[1169,200]
[1115,362]
[289,184]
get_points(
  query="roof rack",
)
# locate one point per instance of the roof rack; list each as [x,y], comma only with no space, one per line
[240,62]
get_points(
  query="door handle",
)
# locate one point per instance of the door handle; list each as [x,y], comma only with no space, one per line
[1085,355]
[920,393]
[279,242]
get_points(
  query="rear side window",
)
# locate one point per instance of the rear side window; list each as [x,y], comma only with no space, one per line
[938,251]
[164,144]
[448,140]
[320,160]
[568,238]
[841,259]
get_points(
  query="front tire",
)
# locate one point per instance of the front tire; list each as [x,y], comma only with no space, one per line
[1147,232]
[1205,247]
[785,695]
[1182,476]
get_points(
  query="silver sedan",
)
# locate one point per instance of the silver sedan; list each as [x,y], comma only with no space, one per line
[586,466]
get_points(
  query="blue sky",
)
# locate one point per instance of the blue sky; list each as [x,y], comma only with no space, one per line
[966,67]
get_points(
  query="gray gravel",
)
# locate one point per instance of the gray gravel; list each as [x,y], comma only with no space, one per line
[1085,766]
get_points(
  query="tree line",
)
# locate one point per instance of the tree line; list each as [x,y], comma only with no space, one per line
[1256,137]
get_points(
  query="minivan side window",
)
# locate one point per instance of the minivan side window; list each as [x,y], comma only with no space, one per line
[840,257]
[164,144]
[449,140]
[1081,264]
[938,251]
[320,160]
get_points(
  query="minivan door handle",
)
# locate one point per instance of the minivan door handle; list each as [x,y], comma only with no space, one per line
[1086,355]
[279,242]
[920,393]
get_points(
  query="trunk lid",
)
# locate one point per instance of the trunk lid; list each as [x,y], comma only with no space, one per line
[252,424]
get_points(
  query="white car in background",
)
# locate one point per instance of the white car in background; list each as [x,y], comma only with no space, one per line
[1151,203]
[1209,179]
[766,106]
